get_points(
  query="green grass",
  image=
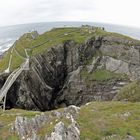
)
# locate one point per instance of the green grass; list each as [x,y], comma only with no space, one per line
[23,43]
[101,75]
[58,36]
[53,38]
[96,121]
[103,119]
[117,35]
[4,62]
[8,117]
[130,92]
[41,44]
[15,63]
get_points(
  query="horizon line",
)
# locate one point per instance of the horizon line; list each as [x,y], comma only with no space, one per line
[105,23]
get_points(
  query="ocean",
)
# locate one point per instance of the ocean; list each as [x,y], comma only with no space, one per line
[9,34]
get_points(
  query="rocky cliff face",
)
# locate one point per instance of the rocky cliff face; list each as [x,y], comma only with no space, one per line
[70,73]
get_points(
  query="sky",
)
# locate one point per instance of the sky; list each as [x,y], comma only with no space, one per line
[121,12]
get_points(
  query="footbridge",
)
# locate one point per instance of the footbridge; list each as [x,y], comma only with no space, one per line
[10,80]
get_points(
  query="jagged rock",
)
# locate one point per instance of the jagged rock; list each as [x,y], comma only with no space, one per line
[94,64]
[61,132]
[117,66]
[34,34]
[73,133]
[34,137]
[25,127]
[56,114]
[71,110]
[123,67]
[128,137]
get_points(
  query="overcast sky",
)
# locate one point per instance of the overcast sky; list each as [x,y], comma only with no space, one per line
[123,12]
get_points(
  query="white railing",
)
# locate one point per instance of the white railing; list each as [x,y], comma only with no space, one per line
[11,79]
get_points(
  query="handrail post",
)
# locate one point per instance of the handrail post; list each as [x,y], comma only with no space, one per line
[4,103]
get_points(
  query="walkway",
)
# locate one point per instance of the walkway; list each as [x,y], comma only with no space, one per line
[10,60]
[12,77]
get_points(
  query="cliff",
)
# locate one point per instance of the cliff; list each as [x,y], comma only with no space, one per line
[75,70]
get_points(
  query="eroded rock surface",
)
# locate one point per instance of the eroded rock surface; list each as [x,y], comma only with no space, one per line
[27,128]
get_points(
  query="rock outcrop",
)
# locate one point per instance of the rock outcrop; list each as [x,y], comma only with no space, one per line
[61,132]
[27,129]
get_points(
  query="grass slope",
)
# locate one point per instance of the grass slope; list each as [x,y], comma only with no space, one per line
[7,118]
[130,92]
[100,120]
[101,75]
[51,38]
[97,120]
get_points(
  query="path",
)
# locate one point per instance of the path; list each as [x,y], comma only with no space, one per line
[10,60]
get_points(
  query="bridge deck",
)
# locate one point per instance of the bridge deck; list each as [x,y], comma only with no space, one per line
[11,79]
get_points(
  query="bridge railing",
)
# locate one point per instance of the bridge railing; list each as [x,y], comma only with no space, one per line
[11,79]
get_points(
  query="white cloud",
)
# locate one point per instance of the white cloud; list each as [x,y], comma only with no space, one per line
[125,12]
